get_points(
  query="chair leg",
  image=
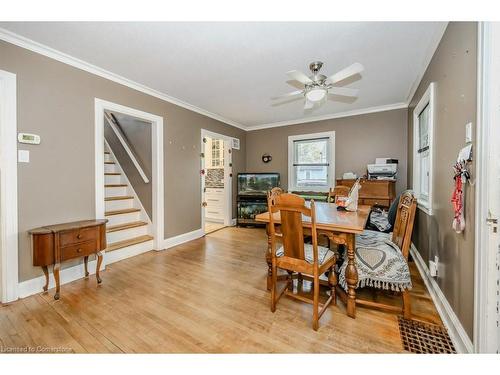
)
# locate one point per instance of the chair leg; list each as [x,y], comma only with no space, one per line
[332,282]
[274,281]
[316,303]
[289,281]
[406,305]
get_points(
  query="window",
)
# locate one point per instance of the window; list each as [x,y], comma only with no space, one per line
[311,162]
[217,153]
[214,153]
[423,123]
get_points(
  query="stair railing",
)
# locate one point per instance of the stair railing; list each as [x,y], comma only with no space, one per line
[121,137]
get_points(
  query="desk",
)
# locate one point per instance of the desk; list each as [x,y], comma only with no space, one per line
[374,192]
[341,228]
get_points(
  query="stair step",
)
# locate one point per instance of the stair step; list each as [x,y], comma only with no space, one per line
[133,224]
[118,198]
[125,243]
[119,212]
[112,173]
[109,162]
[115,185]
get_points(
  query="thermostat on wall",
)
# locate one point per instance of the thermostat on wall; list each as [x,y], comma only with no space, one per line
[32,139]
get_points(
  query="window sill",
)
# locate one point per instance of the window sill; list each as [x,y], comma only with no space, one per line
[424,206]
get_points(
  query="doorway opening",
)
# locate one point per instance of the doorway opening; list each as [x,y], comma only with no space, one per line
[115,198]
[216,177]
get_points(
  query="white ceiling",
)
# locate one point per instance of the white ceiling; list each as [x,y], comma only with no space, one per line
[233,69]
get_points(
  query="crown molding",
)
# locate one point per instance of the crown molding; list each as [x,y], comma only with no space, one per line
[427,60]
[52,53]
[356,112]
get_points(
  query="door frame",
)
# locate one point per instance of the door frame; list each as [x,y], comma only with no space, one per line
[488,63]
[228,185]
[157,158]
[8,188]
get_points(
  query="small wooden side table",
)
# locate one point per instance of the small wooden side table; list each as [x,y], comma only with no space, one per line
[54,244]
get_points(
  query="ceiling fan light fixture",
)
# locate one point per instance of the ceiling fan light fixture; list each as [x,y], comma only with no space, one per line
[316,94]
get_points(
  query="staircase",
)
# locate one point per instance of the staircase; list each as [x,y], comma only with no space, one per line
[128,231]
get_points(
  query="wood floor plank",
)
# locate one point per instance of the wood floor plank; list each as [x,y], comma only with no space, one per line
[204,296]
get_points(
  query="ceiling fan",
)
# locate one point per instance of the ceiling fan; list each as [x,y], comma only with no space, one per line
[317,87]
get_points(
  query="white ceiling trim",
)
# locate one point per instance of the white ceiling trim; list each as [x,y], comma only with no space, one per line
[356,112]
[427,60]
[42,49]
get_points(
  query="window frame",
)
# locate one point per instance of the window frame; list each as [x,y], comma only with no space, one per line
[427,99]
[331,160]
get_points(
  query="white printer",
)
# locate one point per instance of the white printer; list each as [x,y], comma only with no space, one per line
[383,169]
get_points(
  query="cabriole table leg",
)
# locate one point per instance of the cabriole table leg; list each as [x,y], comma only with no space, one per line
[46,273]
[98,267]
[57,267]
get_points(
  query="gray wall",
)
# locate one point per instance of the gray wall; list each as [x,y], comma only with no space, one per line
[138,136]
[56,101]
[358,141]
[453,68]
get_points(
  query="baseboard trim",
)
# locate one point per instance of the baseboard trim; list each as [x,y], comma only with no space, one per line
[182,238]
[128,252]
[34,286]
[234,222]
[457,333]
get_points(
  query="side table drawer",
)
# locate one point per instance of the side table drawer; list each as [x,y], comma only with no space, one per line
[78,236]
[78,250]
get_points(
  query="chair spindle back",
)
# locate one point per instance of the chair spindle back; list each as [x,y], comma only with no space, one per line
[405,218]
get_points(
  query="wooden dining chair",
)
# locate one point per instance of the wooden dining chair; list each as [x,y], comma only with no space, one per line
[382,258]
[296,256]
[339,190]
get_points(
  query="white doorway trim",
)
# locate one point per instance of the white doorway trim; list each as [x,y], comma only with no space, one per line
[8,188]
[486,334]
[228,191]
[158,218]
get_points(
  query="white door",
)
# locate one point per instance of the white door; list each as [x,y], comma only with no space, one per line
[494,183]
[487,288]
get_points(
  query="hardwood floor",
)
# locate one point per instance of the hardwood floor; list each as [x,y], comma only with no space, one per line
[205,296]
[212,227]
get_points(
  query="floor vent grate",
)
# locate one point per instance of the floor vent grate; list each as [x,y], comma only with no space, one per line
[419,337]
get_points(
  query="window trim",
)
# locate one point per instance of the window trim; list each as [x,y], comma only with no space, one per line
[331,168]
[427,99]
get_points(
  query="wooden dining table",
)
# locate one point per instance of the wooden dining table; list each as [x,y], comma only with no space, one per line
[340,227]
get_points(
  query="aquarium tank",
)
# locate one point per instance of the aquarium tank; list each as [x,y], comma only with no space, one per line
[257,183]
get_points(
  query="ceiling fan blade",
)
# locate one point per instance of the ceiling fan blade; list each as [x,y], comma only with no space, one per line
[346,72]
[293,93]
[299,76]
[343,91]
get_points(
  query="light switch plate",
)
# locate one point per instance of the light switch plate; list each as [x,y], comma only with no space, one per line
[23,156]
[468,132]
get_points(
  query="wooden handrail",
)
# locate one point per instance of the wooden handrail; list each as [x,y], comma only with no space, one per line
[121,138]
